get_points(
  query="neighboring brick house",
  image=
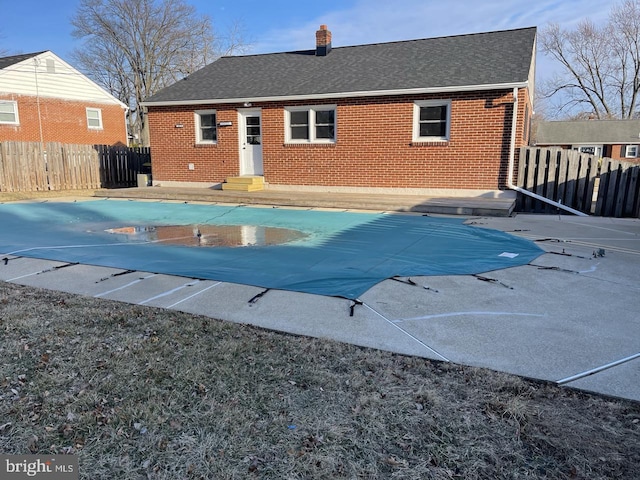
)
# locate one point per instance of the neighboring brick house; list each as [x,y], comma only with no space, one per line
[44,99]
[420,116]
[617,139]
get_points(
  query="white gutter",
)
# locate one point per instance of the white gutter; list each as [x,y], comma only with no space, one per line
[512,159]
[364,93]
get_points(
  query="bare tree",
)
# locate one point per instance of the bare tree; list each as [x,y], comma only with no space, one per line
[601,65]
[134,48]
[3,51]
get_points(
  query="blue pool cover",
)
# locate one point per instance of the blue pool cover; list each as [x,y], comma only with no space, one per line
[342,254]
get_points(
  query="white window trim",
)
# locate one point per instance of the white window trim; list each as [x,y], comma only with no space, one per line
[597,149]
[416,120]
[15,112]
[312,125]
[93,109]
[199,140]
[627,154]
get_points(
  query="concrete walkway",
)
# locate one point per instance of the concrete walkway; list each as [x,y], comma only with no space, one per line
[497,207]
[571,317]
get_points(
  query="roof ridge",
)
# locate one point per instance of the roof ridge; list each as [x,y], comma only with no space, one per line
[25,55]
[593,120]
[309,50]
[439,37]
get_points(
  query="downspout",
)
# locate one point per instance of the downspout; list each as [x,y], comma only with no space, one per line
[512,159]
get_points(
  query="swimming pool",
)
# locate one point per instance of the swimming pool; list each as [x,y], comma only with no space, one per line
[330,253]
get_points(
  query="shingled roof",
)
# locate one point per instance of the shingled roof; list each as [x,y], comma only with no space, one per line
[485,60]
[577,132]
[8,61]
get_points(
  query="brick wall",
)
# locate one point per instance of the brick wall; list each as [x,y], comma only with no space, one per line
[617,152]
[64,121]
[374,145]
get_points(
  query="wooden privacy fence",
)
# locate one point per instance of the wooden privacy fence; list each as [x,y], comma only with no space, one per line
[28,167]
[120,166]
[619,189]
[603,187]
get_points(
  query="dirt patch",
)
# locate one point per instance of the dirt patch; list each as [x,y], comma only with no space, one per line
[139,392]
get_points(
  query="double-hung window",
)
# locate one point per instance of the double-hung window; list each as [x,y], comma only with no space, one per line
[94,118]
[431,120]
[206,127]
[315,124]
[9,112]
[631,151]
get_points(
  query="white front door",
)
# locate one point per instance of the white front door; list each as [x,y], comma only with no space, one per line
[250,125]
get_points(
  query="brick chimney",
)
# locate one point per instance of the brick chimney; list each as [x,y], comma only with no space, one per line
[323,41]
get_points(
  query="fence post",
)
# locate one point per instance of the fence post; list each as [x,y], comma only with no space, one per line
[563,172]
[632,205]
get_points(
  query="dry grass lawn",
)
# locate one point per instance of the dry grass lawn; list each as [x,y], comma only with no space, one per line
[138,392]
[44,195]
[144,393]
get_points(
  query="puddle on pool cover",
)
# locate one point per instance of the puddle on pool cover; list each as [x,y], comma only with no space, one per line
[210,235]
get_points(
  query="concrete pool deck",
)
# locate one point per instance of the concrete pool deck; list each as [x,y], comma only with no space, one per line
[491,206]
[572,316]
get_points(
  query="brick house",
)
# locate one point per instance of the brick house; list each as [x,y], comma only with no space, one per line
[428,116]
[617,139]
[44,99]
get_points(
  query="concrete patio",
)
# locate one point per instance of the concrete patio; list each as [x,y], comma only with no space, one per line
[570,317]
[491,206]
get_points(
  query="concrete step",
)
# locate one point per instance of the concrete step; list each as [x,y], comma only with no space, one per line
[245,183]
[242,187]
[246,180]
